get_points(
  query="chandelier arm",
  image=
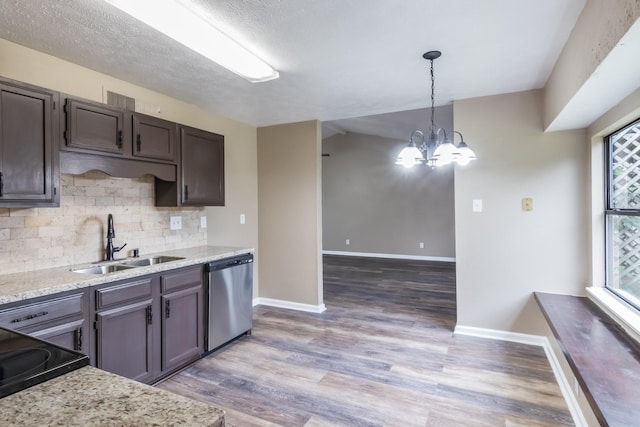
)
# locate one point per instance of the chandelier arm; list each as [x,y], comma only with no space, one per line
[461,137]
[417,132]
[421,140]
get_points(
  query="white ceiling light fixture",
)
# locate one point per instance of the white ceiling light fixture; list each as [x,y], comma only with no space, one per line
[183,24]
[434,151]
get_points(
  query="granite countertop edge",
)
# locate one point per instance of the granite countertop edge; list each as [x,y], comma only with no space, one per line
[31,284]
[90,396]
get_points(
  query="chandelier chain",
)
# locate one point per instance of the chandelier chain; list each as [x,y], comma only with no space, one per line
[433,90]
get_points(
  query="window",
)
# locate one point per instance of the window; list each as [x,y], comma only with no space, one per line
[622,215]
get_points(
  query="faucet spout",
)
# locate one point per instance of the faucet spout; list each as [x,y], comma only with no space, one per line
[111,233]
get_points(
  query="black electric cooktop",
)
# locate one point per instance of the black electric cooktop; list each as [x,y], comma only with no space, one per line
[26,361]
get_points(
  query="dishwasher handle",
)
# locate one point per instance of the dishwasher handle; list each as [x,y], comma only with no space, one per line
[229,262]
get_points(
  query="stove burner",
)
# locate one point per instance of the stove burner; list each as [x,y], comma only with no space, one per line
[26,361]
[22,362]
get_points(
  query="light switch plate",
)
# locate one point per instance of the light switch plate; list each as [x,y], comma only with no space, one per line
[477,205]
[243,219]
[203,222]
[527,204]
[175,223]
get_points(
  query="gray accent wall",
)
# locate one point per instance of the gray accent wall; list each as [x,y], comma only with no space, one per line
[383,208]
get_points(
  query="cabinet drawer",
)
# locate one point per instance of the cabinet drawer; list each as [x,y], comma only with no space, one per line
[182,279]
[33,314]
[118,294]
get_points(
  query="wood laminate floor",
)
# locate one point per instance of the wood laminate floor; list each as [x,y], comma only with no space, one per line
[383,354]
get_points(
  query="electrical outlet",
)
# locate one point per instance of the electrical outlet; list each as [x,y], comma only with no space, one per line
[421,245]
[527,204]
[175,223]
[477,205]
[203,222]
[347,242]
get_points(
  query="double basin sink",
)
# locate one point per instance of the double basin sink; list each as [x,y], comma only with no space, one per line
[126,265]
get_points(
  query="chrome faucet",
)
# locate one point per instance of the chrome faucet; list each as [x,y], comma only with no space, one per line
[111,234]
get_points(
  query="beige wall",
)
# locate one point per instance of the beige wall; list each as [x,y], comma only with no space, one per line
[383,208]
[599,28]
[290,223]
[20,63]
[504,254]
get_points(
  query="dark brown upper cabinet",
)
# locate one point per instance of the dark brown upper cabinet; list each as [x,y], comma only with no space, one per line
[29,157]
[94,127]
[200,173]
[154,138]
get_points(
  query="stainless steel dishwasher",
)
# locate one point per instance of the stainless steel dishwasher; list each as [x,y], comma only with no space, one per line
[230,299]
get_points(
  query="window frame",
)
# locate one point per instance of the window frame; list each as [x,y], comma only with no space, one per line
[610,211]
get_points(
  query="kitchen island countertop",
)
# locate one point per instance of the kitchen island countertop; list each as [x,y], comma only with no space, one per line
[31,284]
[90,396]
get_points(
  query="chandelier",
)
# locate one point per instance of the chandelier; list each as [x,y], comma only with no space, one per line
[438,148]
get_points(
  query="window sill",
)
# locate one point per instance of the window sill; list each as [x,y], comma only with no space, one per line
[619,311]
[603,358]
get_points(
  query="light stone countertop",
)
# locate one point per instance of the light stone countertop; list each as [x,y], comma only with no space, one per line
[31,284]
[90,397]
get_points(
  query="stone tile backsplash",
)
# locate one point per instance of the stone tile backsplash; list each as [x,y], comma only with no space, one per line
[75,233]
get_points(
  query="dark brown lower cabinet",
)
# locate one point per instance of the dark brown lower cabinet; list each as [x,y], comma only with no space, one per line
[182,334]
[125,327]
[148,327]
[124,340]
[73,335]
[143,328]
[62,319]
[182,308]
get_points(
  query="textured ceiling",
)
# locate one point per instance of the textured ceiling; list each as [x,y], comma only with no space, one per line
[337,58]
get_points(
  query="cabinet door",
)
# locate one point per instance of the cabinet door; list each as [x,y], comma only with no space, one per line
[202,168]
[182,328]
[95,128]
[154,138]
[124,340]
[29,174]
[72,335]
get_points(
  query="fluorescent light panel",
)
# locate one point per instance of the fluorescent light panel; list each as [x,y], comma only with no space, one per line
[178,21]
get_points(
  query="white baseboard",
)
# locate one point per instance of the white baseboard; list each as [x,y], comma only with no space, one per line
[290,305]
[501,335]
[391,256]
[563,383]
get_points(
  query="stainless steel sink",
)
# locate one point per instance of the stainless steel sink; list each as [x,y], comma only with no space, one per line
[127,264]
[151,261]
[102,269]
